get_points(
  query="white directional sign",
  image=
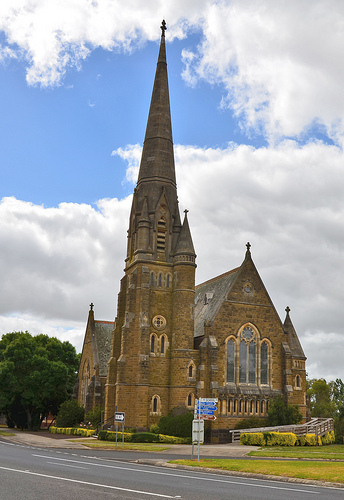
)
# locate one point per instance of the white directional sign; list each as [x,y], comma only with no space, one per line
[119,416]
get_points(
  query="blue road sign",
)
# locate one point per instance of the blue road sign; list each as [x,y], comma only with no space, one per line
[205,412]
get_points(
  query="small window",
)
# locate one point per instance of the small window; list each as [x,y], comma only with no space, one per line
[168,281]
[152,343]
[190,400]
[155,404]
[298,381]
[190,371]
[152,279]
[162,344]
[160,280]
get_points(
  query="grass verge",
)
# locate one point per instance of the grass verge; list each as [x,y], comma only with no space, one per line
[330,452]
[5,433]
[108,445]
[320,471]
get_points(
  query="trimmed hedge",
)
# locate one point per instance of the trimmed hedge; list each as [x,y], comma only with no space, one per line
[72,431]
[252,438]
[279,438]
[284,439]
[142,437]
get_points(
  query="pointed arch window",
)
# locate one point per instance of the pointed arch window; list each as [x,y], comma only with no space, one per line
[247,356]
[156,405]
[190,400]
[163,344]
[230,360]
[264,363]
[86,376]
[153,342]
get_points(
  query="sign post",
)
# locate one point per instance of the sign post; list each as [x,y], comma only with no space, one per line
[120,417]
[204,410]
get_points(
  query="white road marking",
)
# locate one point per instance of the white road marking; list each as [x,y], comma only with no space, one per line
[198,478]
[87,483]
[67,465]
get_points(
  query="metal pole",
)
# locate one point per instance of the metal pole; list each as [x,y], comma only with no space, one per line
[199,427]
[116,432]
[123,434]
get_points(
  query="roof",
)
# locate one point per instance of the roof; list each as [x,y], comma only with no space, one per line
[209,298]
[293,340]
[103,337]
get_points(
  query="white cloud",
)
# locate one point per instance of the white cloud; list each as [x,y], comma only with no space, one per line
[280,63]
[56,35]
[286,200]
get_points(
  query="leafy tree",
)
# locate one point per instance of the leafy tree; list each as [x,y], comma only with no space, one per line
[321,398]
[327,401]
[70,414]
[280,413]
[37,373]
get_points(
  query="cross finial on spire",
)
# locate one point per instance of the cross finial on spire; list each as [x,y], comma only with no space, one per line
[163,27]
[91,306]
[287,309]
[248,246]
[186,211]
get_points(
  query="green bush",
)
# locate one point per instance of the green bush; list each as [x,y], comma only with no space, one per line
[145,437]
[301,441]
[329,438]
[70,414]
[177,423]
[154,429]
[252,438]
[310,440]
[93,417]
[142,437]
[279,438]
[111,436]
[71,431]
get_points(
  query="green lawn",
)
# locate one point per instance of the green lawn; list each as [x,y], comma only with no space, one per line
[330,452]
[321,471]
[109,445]
[4,433]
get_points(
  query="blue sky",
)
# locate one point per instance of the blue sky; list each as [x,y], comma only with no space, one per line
[257,116]
[57,142]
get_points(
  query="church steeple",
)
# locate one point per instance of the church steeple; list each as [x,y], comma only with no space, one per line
[155,221]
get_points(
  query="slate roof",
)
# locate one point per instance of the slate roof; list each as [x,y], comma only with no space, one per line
[293,340]
[103,337]
[209,298]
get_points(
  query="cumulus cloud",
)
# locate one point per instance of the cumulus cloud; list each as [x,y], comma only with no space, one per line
[286,200]
[56,35]
[280,74]
[280,63]
[55,261]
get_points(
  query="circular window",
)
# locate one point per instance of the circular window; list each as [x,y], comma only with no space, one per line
[159,322]
[248,288]
[247,333]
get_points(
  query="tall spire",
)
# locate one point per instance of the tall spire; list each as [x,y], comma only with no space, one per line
[154,224]
[157,161]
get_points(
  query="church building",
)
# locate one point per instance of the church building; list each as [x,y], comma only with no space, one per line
[172,341]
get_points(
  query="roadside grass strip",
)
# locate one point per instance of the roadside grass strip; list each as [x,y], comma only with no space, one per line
[332,472]
[332,452]
[109,445]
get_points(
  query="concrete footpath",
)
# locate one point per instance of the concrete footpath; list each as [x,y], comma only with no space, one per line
[46,440]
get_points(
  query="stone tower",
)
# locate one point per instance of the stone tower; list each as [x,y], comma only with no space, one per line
[152,368]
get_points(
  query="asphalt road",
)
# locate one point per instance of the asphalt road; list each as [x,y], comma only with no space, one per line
[35,473]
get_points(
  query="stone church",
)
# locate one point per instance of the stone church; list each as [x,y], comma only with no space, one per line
[172,341]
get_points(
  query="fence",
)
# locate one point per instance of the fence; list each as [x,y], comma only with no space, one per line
[317,426]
